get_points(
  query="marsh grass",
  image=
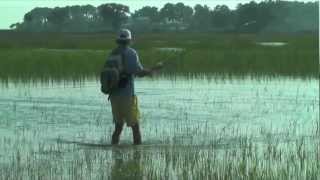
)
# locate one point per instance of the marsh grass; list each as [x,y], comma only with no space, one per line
[75,56]
[187,151]
[42,63]
[297,159]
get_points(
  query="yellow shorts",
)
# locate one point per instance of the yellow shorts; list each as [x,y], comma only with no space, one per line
[125,109]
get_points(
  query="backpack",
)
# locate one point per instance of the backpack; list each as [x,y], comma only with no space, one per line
[112,71]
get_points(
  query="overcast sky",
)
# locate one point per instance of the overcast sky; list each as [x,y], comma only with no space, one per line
[12,11]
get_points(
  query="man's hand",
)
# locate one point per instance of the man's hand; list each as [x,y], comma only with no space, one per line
[145,72]
[150,72]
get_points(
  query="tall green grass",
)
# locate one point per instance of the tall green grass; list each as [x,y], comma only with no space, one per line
[46,64]
[79,55]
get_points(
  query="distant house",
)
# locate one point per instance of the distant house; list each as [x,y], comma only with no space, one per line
[174,25]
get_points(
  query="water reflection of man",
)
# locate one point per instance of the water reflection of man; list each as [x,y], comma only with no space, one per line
[126,168]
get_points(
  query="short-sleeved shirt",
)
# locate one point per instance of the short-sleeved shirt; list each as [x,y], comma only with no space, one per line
[132,67]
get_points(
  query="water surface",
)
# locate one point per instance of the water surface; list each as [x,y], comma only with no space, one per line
[187,124]
[172,109]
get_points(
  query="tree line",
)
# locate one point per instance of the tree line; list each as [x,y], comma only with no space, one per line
[252,17]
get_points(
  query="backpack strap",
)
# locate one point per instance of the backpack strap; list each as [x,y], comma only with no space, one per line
[123,60]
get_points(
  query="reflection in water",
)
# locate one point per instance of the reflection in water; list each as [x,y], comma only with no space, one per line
[126,165]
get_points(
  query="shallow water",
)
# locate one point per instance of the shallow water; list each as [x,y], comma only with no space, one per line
[185,113]
[274,44]
[167,106]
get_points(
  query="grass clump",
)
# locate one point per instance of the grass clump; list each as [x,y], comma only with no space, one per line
[81,55]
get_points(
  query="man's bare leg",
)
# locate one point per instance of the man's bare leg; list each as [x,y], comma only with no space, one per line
[136,134]
[116,134]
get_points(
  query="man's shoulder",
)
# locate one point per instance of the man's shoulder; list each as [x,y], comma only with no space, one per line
[131,51]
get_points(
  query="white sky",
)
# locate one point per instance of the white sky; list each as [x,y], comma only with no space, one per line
[12,11]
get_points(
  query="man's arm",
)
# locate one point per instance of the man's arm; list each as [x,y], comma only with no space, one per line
[144,72]
[136,68]
[149,71]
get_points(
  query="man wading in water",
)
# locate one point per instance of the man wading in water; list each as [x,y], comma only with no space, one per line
[123,99]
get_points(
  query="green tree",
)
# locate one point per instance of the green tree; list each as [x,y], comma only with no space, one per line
[254,17]
[76,13]
[201,19]
[265,16]
[168,13]
[246,16]
[59,17]
[35,20]
[221,16]
[15,26]
[147,11]
[91,17]
[183,13]
[90,13]
[114,14]
[77,19]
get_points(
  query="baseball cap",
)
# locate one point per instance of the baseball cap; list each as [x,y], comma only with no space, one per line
[124,34]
